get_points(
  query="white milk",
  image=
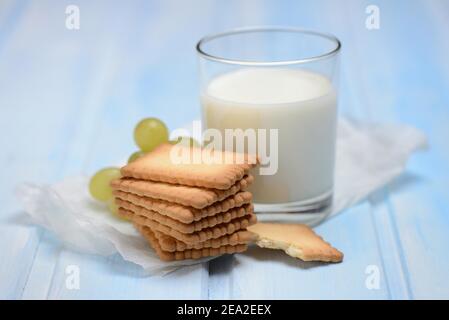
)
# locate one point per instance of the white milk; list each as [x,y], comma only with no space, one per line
[302,105]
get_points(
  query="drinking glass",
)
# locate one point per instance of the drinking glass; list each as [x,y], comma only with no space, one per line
[284,80]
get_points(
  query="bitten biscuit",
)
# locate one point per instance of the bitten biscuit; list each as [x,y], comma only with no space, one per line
[186,214]
[297,240]
[159,165]
[195,197]
[190,253]
[171,244]
[193,238]
[207,222]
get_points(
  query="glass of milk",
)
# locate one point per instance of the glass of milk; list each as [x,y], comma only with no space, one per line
[284,79]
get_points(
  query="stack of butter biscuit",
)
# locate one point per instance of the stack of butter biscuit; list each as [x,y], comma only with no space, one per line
[190,209]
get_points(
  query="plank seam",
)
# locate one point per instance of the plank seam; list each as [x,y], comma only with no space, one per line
[40,233]
[395,230]
[379,246]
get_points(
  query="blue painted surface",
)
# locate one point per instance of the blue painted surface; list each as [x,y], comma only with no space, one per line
[69,101]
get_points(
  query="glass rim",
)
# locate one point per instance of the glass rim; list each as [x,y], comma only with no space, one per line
[236,31]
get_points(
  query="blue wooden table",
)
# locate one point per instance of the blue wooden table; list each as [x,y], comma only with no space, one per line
[70,98]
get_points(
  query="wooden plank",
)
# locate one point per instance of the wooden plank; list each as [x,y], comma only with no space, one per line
[20,156]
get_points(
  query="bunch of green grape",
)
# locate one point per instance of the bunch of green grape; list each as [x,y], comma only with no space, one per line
[148,134]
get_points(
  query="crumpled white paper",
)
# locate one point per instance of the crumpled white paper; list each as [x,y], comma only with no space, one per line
[368,157]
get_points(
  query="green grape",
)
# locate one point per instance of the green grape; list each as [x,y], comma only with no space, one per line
[185,141]
[99,185]
[113,208]
[149,133]
[136,155]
